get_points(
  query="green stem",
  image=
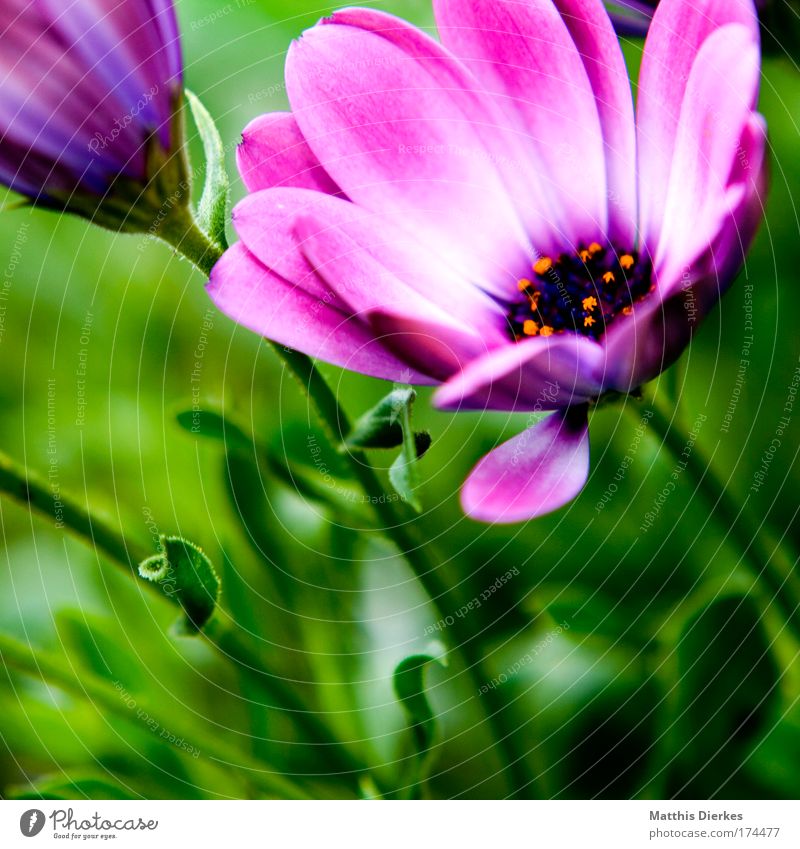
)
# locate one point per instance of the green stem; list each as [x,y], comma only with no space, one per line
[32,492]
[185,236]
[767,560]
[53,670]
[397,528]
[180,230]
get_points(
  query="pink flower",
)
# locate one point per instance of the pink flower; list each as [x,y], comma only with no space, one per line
[487,214]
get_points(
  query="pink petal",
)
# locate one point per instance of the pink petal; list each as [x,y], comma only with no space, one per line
[438,349]
[525,57]
[532,375]
[358,277]
[273,152]
[721,89]
[283,227]
[596,41]
[265,303]
[534,473]
[393,120]
[678,31]
[639,347]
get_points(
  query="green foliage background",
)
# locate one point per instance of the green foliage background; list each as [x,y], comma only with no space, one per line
[645,664]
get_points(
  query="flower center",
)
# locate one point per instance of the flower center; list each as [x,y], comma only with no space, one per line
[579,293]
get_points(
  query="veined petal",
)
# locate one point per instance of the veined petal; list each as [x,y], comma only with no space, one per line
[535,374]
[597,45]
[536,472]
[358,277]
[720,92]
[267,304]
[524,56]
[274,153]
[332,228]
[642,345]
[394,122]
[679,30]
[437,349]
[122,43]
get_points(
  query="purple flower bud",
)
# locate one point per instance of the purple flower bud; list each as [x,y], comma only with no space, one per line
[632,17]
[89,96]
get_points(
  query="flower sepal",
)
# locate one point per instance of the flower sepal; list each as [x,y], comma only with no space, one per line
[132,205]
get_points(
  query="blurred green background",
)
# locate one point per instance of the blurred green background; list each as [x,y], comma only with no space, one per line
[632,664]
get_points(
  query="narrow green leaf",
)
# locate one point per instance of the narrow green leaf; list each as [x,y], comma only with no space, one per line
[213,209]
[215,425]
[409,687]
[382,427]
[95,644]
[403,472]
[728,680]
[183,572]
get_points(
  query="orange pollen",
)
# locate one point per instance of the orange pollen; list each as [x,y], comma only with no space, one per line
[595,248]
[589,303]
[627,310]
[627,262]
[543,265]
[585,256]
[588,321]
[546,331]
[608,277]
[530,328]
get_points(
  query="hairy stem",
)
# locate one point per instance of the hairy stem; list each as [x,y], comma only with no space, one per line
[391,522]
[419,555]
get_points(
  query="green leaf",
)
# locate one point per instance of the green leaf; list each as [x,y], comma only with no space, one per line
[212,212]
[215,425]
[728,681]
[388,425]
[97,645]
[381,427]
[183,572]
[403,472]
[409,687]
